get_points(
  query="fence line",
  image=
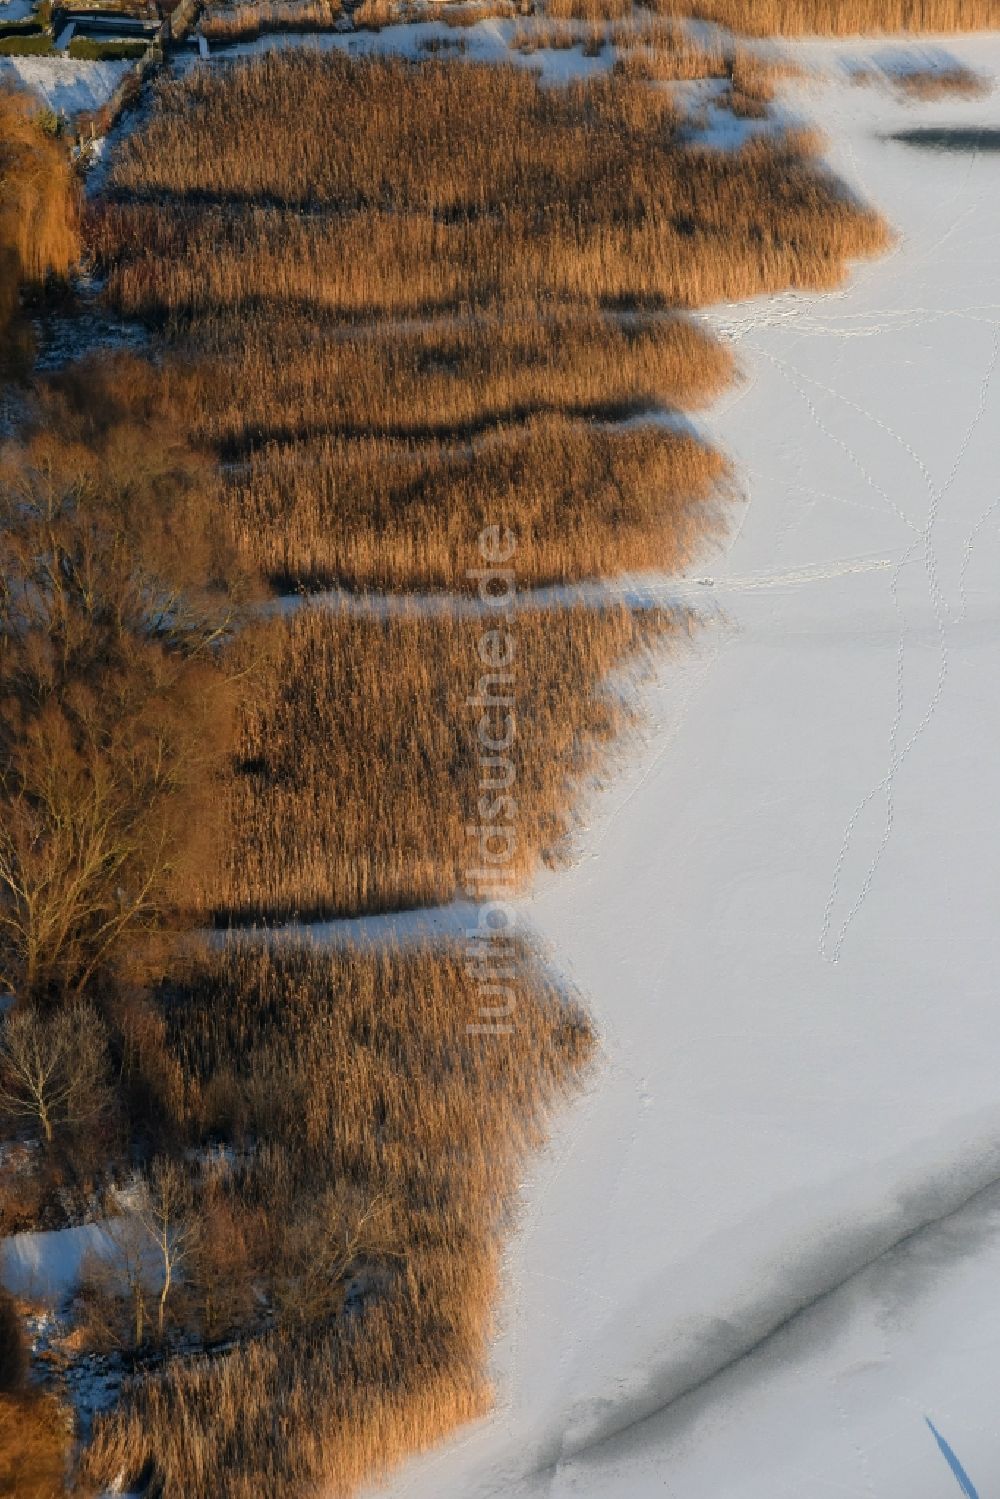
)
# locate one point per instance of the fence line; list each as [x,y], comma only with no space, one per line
[174,27]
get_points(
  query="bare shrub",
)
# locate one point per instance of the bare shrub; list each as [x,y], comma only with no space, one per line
[164,1209]
[322,1245]
[97,837]
[154,1232]
[113,702]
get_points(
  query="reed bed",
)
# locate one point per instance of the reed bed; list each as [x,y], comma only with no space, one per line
[391,1091]
[460,17]
[552,36]
[245,22]
[359,762]
[711,241]
[446,139]
[802,17]
[273,377]
[584,500]
[473,188]
[589,10]
[534,247]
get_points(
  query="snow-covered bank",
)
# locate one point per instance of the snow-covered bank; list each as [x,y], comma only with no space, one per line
[66,84]
[785,921]
[47,1266]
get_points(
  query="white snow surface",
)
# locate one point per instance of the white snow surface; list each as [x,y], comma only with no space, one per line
[487,41]
[753,1259]
[69,85]
[47,1265]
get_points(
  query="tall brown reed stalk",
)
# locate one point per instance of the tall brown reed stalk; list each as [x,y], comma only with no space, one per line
[420,1113]
[584,500]
[359,761]
[275,377]
[479,188]
[799,17]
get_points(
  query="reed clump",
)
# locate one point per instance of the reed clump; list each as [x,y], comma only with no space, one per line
[34,1446]
[589,10]
[358,765]
[39,214]
[418,135]
[404,1113]
[826,17]
[953,81]
[584,499]
[280,378]
[244,22]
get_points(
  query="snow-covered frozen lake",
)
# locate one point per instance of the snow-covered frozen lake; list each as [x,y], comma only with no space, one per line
[785,920]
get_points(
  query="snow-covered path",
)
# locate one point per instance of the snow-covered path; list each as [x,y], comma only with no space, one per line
[785,919]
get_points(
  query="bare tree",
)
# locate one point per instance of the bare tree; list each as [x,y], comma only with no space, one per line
[133,1263]
[99,804]
[164,1208]
[155,1234]
[115,710]
[53,1068]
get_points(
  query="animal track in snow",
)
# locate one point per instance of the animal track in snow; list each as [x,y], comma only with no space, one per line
[831,950]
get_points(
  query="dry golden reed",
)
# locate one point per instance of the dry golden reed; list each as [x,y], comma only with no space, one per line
[395,1081]
[34,1443]
[954,81]
[38,192]
[589,10]
[583,498]
[289,377]
[800,17]
[474,186]
[244,22]
[553,36]
[417,136]
[359,762]
[39,217]
[516,256]
[656,49]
